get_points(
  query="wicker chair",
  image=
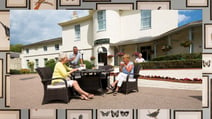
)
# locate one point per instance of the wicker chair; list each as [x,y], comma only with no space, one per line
[105,77]
[130,86]
[52,93]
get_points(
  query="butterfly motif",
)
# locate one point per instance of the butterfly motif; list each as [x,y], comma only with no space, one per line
[115,114]
[124,113]
[105,113]
[206,64]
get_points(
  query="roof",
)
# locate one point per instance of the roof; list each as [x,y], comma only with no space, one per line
[77,20]
[148,39]
[45,42]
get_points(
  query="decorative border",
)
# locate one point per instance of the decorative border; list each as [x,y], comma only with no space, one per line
[96,0]
[175,111]
[13,110]
[153,1]
[115,4]
[207,92]
[7,83]
[56,6]
[8,11]
[29,114]
[60,4]
[187,4]
[7,63]
[66,112]
[167,109]
[206,73]
[133,116]
[206,24]
[13,6]
[2,77]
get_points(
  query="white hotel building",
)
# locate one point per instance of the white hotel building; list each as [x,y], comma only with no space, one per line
[107,32]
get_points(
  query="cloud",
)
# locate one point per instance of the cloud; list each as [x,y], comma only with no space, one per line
[183,18]
[29,26]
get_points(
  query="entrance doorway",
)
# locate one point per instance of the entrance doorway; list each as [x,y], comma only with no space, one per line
[102,55]
[146,52]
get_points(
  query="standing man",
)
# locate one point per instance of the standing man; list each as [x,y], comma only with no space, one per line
[139,59]
[75,57]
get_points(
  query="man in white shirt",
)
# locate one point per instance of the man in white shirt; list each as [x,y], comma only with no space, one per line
[139,59]
[75,57]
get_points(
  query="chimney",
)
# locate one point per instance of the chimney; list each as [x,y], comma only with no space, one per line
[74,15]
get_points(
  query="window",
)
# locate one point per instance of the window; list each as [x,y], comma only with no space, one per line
[45,60]
[77,32]
[36,62]
[101,17]
[145,19]
[57,47]
[27,50]
[45,48]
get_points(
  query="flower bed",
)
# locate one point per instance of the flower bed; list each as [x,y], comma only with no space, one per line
[184,80]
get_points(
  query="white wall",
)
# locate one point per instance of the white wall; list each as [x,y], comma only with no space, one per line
[37,52]
[113,26]
[86,38]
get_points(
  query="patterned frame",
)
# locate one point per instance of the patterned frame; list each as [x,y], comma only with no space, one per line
[13,6]
[29,114]
[89,110]
[154,2]
[1,77]
[138,118]
[60,3]
[187,4]
[175,111]
[7,83]
[15,111]
[115,4]
[207,92]
[133,116]
[56,4]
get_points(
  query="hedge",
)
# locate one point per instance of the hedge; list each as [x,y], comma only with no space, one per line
[179,57]
[191,63]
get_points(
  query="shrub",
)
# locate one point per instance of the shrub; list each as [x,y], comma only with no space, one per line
[15,71]
[30,64]
[88,64]
[179,57]
[50,63]
[191,63]
[24,71]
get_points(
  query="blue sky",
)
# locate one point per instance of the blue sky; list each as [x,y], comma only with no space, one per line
[29,26]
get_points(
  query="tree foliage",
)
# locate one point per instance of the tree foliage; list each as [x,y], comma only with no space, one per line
[16,48]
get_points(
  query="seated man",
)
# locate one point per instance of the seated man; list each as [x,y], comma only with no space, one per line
[126,67]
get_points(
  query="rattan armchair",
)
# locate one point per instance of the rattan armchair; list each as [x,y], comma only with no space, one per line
[129,86]
[51,92]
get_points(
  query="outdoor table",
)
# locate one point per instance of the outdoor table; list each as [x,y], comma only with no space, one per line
[90,79]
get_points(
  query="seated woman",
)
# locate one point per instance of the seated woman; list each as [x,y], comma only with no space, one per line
[125,68]
[63,71]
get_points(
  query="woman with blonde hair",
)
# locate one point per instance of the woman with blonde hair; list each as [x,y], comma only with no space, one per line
[126,67]
[63,71]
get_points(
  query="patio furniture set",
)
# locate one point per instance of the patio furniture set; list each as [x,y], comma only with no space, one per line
[91,80]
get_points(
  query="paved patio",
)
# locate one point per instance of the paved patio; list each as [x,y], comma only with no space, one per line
[27,92]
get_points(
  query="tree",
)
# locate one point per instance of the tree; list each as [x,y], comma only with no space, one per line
[50,63]
[16,48]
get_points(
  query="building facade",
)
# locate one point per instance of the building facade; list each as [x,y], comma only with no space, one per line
[108,32]
[41,52]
